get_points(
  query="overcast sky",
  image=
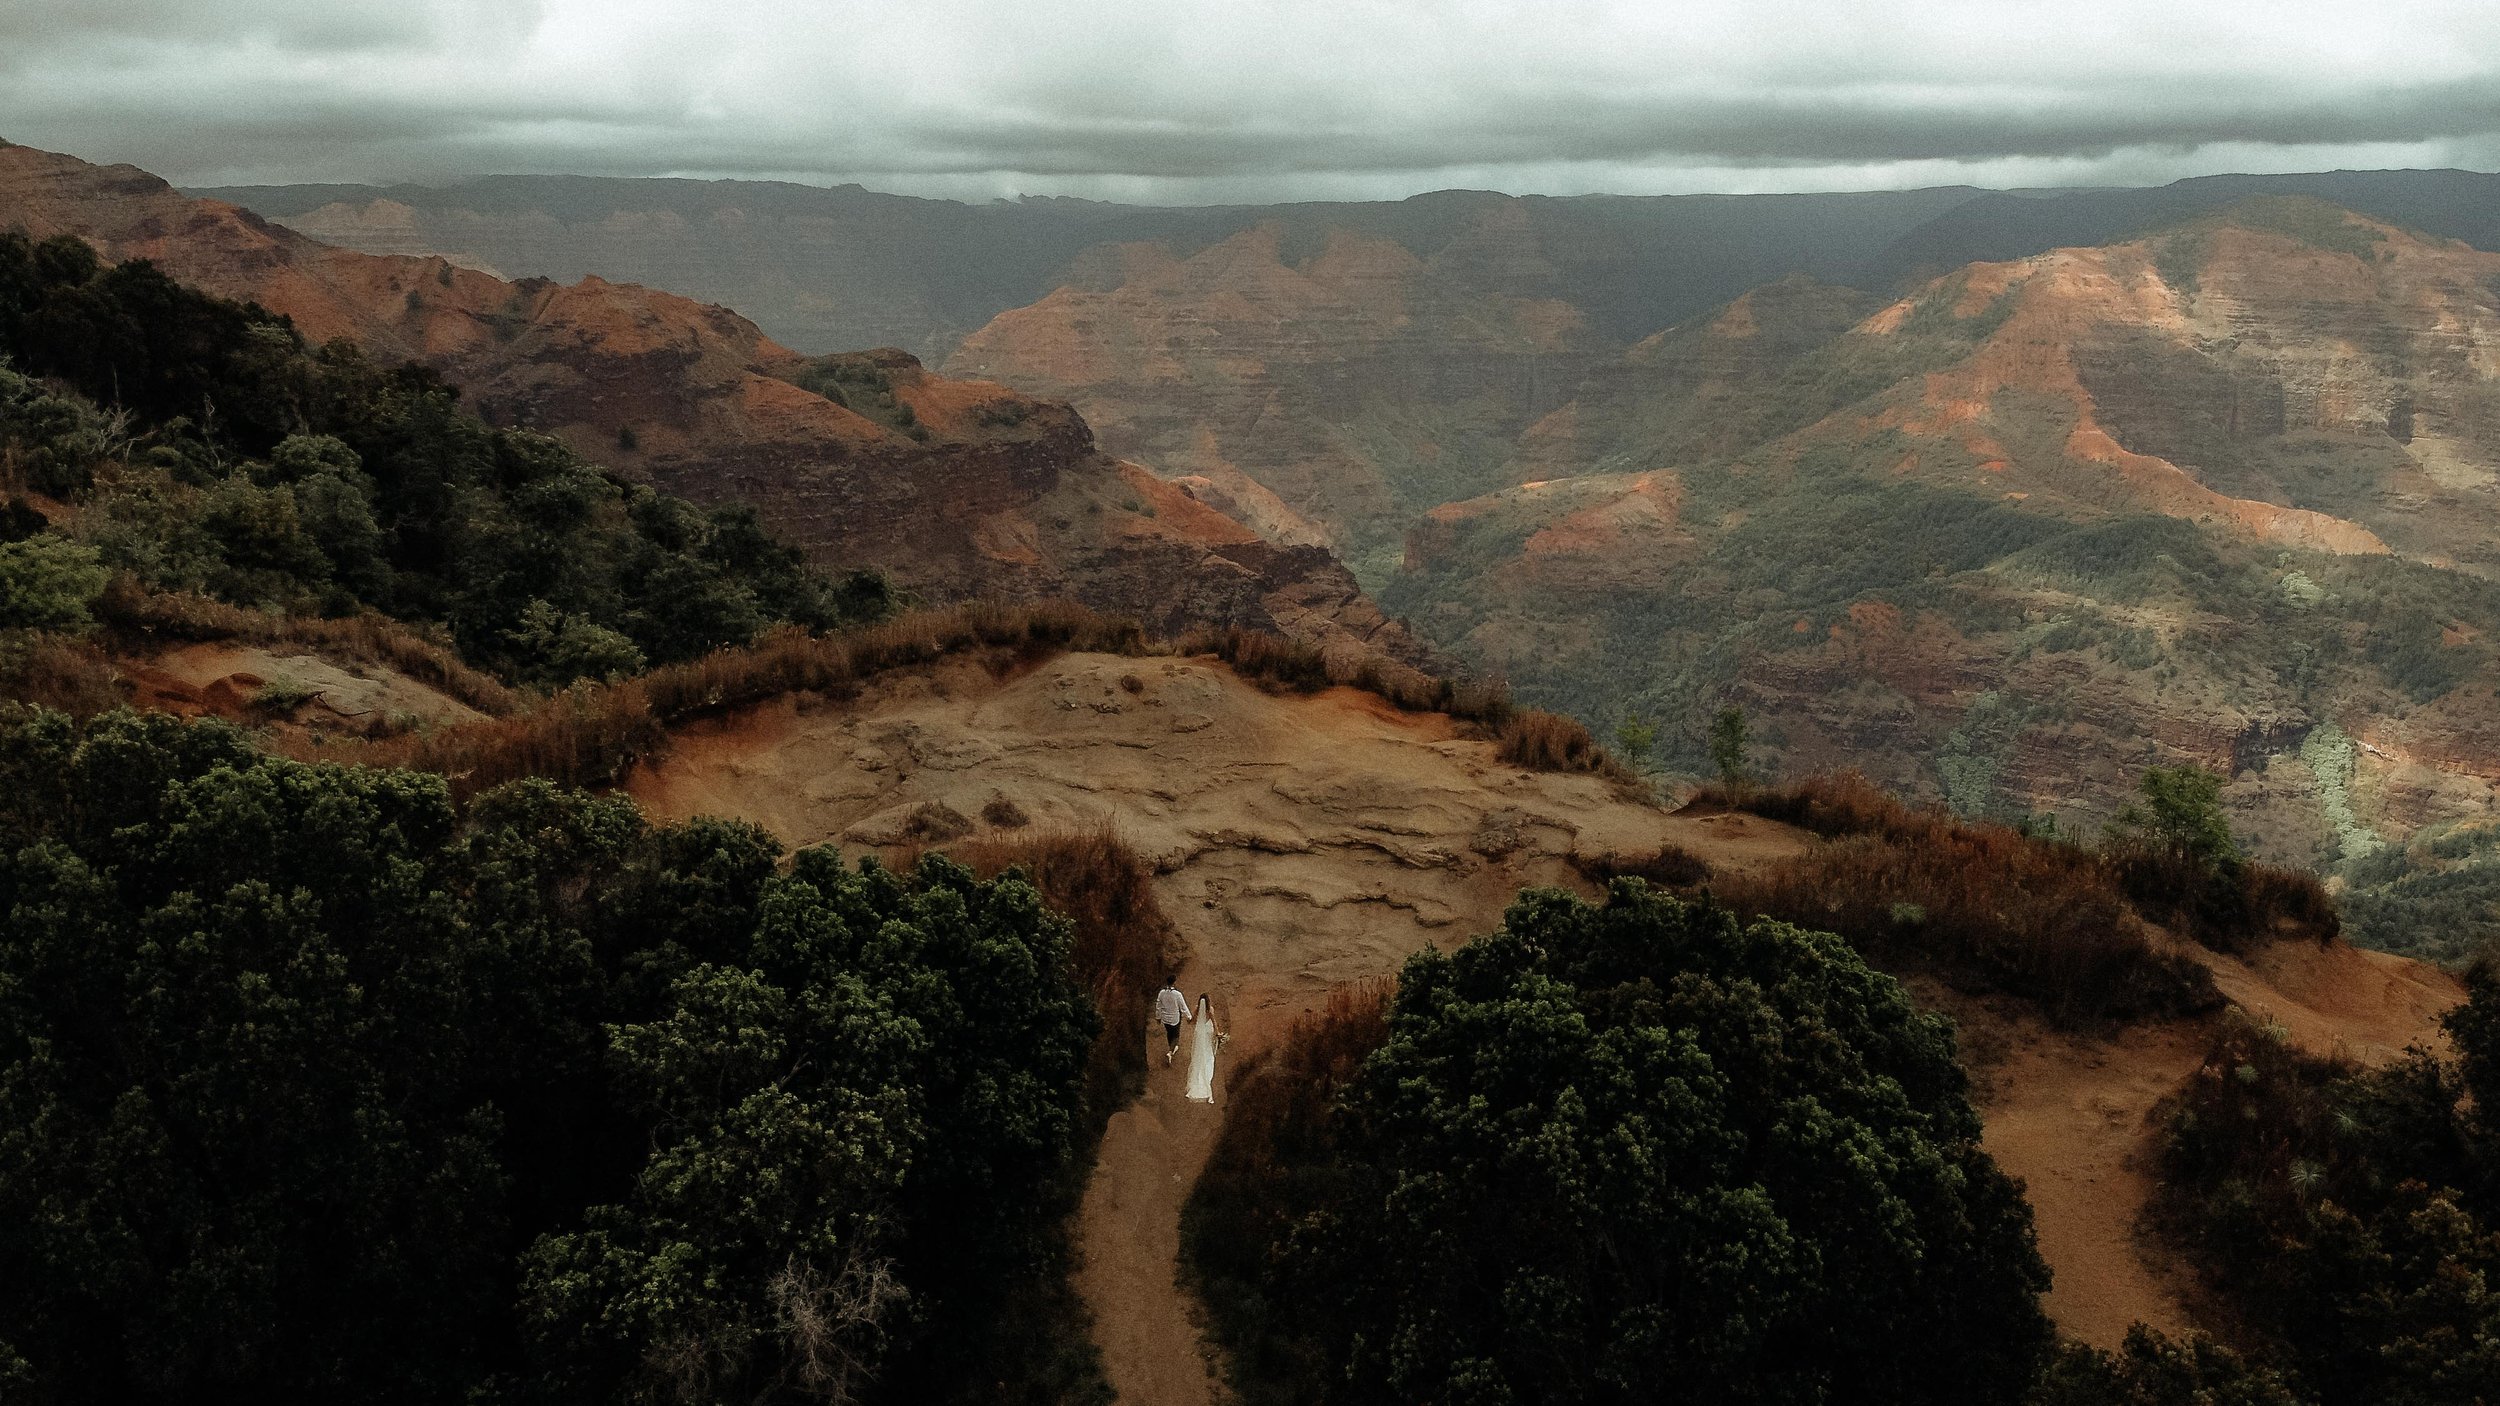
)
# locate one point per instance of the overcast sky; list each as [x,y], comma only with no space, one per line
[1174,101]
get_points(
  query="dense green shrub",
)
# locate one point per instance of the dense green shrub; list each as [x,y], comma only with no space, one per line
[316,1086]
[1644,1152]
[2151,1370]
[49,583]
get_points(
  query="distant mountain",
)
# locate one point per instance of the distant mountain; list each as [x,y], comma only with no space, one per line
[955,488]
[843,268]
[2228,493]
[1997,226]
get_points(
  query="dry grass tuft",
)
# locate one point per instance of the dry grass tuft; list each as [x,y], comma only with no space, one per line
[1276,662]
[592,734]
[141,617]
[1125,944]
[588,735]
[1005,814]
[1543,741]
[1844,803]
[64,674]
[1668,866]
[1269,660]
[1528,737]
[935,822]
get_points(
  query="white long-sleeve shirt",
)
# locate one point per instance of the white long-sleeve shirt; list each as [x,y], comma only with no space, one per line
[1171,1007]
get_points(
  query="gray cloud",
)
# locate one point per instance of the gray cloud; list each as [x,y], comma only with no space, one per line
[1193,101]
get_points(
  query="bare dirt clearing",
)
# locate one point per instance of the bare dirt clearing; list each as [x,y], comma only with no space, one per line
[1301,842]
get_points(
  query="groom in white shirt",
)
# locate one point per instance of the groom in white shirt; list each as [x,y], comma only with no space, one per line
[1171,1007]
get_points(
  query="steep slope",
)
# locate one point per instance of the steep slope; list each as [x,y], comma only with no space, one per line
[957,488]
[1357,393]
[1358,382]
[2224,494]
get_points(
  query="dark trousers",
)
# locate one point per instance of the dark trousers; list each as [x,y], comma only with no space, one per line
[1171,1034]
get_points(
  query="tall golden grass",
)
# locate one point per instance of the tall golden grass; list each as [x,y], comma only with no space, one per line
[62,673]
[2070,928]
[1543,741]
[1273,661]
[592,734]
[137,615]
[1667,866]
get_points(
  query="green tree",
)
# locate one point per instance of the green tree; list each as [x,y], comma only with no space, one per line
[828,1136]
[2350,1214]
[556,648]
[48,582]
[2180,813]
[231,1076]
[1643,1152]
[1636,736]
[1728,741]
[239,462]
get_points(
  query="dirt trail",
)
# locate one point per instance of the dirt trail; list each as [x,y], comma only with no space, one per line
[1130,1229]
[2073,1117]
[2076,1117]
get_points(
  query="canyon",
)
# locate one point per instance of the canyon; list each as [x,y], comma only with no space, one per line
[954,488]
[2196,474]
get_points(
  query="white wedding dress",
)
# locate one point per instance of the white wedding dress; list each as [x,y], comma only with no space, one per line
[1202,1056]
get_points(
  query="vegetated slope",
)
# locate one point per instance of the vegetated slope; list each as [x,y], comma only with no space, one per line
[955,488]
[1358,362]
[2223,494]
[1303,843]
[1350,363]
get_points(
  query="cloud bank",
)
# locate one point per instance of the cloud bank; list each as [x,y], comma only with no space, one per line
[1184,101]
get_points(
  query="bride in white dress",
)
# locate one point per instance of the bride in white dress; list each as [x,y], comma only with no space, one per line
[1202,1053]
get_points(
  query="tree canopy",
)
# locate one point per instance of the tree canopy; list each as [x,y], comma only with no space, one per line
[314,1086]
[1640,1151]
